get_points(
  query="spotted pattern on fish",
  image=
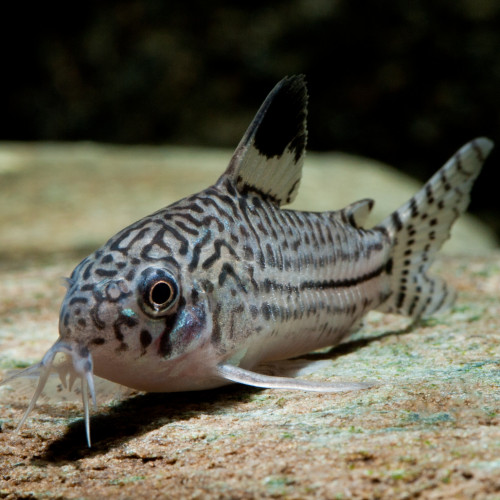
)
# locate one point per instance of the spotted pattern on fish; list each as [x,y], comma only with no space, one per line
[200,293]
[276,265]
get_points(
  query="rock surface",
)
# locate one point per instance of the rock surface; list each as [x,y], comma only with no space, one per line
[429,429]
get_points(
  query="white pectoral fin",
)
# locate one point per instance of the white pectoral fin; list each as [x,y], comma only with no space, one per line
[247,377]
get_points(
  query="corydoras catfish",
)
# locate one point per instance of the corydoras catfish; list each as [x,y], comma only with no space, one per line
[200,293]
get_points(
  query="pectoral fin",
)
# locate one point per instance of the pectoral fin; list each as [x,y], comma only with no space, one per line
[247,377]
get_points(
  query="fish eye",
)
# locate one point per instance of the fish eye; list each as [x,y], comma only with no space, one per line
[159,292]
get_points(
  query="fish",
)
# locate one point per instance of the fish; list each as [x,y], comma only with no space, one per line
[205,291]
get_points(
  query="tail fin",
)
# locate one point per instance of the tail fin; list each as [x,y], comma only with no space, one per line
[421,226]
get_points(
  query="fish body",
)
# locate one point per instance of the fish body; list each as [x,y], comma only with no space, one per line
[256,283]
[200,293]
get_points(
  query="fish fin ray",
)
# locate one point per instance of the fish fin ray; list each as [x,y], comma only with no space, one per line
[420,227]
[247,377]
[357,213]
[268,161]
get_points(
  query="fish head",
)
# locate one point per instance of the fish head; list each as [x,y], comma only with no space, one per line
[141,315]
[132,314]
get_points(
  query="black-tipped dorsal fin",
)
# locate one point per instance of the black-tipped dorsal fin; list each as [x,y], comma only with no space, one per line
[356,213]
[268,161]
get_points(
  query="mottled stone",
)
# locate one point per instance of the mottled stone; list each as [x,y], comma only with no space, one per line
[428,429]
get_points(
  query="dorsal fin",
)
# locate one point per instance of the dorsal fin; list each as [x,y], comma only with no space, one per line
[268,161]
[356,213]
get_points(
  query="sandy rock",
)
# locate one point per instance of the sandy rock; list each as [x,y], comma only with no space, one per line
[428,429]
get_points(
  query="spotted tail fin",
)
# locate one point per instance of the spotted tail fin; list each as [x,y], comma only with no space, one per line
[421,226]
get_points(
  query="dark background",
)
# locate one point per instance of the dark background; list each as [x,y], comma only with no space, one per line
[403,82]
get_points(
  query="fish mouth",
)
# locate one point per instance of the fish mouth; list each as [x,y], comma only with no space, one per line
[79,365]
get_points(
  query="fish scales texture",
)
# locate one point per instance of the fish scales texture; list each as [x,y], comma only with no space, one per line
[200,293]
[270,272]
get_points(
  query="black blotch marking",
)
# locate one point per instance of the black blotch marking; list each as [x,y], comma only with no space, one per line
[243,231]
[254,311]
[94,314]
[270,255]
[413,304]
[217,254]
[165,345]
[228,270]
[214,197]
[184,244]
[230,188]
[88,269]
[186,228]
[280,121]
[400,300]
[266,310]
[106,273]
[216,331]
[429,194]
[208,286]
[123,320]
[262,229]
[115,246]
[414,208]
[197,250]
[389,265]
[257,202]
[145,339]
[396,220]
[349,282]
[195,208]
[294,186]
[78,300]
